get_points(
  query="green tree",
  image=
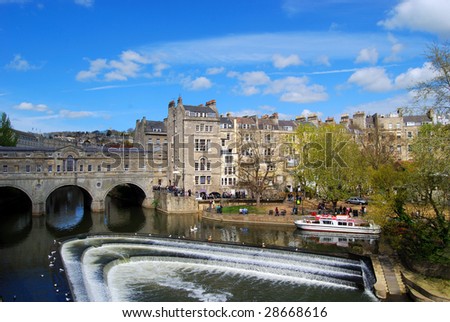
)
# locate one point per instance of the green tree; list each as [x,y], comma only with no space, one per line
[389,182]
[431,152]
[331,162]
[431,185]
[7,135]
[416,196]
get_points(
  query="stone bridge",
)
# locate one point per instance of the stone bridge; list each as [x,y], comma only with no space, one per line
[39,172]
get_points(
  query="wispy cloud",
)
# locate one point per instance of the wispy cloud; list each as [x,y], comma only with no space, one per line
[51,114]
[367,55]
[19,63]
[14,1]
[215,70]
[199,83]
[335,71]
[281,62]
[261,48]
[85,3]
[27,106]
[116,86]
[130,64]
[289,89]
[76,114]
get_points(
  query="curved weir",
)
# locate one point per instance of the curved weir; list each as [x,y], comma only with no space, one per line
[141,268]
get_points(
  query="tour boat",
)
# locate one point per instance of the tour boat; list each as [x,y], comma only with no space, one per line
[338,223]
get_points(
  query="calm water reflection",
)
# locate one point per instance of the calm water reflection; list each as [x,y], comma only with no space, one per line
[26,241]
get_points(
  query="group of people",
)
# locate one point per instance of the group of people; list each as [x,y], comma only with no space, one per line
[349,211]
[174,190]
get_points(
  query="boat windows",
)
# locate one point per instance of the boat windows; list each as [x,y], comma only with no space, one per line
[327,222]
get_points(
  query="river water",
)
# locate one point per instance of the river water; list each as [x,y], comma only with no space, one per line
[137,254]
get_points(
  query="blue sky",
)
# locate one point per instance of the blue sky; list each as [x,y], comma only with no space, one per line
[98,64]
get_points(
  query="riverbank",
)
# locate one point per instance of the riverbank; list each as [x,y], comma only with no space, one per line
[287,220]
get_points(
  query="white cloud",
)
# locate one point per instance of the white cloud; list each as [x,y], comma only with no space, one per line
[250,81]
[291,7]
[26,106]
[20,64]
[322,60]
[420,15]
[215,70]
[200,83]
[367,55]
[130,65]
[415,75]
[95,68]
[289,89]
[84,3]
[396,49]
[254,78]
[372,79]
[158,68]
[281,62]
[297,90]
[61,114]
[75,114]
[375,79]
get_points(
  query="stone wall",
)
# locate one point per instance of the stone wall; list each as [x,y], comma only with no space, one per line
[168,203]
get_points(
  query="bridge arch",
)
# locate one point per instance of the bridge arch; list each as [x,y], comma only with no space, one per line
[15,213]
[16,187]
[67,208]
[127,191]
[88,197]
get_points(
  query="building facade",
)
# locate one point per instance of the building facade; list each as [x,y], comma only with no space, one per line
[201,151]
[395,131]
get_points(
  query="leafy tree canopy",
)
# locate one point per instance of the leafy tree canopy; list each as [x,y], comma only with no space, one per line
[331,161]
[7,135]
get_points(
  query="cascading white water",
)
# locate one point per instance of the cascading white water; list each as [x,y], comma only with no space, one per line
[120,268]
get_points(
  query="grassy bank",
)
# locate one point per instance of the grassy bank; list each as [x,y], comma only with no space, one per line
[251,210]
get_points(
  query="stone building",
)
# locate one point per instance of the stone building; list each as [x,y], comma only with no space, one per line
[204,148]
[151,137]
[194,147]
[394,131]
[200,151]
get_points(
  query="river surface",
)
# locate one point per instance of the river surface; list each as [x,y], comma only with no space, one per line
[170,257]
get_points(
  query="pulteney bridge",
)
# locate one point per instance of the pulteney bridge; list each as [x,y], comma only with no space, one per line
[38,172]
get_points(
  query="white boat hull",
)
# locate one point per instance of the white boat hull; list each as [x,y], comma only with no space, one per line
[372,229]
